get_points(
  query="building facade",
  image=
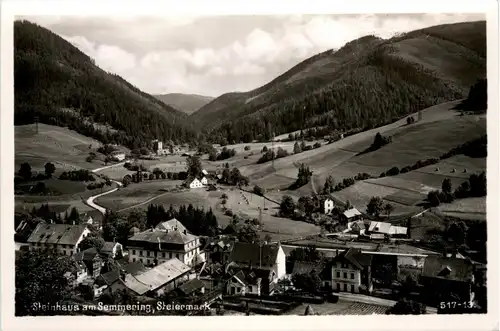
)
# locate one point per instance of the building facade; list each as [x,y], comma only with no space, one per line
[328,206]
[195,183]
[60,237]
[153,247]
[350,270]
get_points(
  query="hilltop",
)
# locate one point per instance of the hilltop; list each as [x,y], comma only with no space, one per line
[365,84]
[62,86]
[187,103]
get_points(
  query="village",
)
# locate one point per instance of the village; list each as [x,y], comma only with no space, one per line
[363,265]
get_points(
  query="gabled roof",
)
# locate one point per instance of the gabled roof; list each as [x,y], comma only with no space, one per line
[157,236]
[221,243]
[62,234]
[87,255]
[252,254]
[247,277]
[380,227]
[397,230]
[108,278]
[108,247]
[355,258]
[191,286]
[134,268]
[448,268]
[156,277]
[352,212]
[170,225]
[204,172]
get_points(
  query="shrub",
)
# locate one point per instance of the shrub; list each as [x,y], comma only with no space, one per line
[393,171]
[317,145]
[247,148]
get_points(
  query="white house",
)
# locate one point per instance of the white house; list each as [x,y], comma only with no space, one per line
[350,270]
[195,183]
[155,246]
[244,283]
[118,156]
[387,228]
[351,215]
[62,237]
[328,206]
[269,257]
[204,181]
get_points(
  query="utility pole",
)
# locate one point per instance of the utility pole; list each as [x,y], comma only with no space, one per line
[36,123]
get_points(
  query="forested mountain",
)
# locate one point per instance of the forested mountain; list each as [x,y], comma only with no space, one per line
[367,83]
[187,103]
[60,85]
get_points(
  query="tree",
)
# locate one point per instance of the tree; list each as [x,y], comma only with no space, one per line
[91,241]
[258,190]
[384,272]
[25,171]
[264,149]
[194,166]
[457,232]
[224,201]
[446,186]
[374,206]
[248,234]
[306,204]
[126,181]
[224,196]
[50,168]
[304,175]
[307,282]
[40,278]
[329,185]
[308,254]
[434,198]
[407,307]
[287,206]
[74,216]
[296,148]
[388,208]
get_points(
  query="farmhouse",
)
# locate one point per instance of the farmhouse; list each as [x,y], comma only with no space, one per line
[218,250]
[117,156]
[152,247]
[204,181]
[328,206]
[351,215]
[266,261]
[349,271]
[194,183]
[387,229]
[357,227]
[244,283]
[443,276]
[92,260]
[61,237]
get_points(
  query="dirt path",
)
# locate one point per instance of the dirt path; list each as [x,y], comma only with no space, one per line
[90,201]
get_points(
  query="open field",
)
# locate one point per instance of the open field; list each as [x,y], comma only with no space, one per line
[61,146]
[470,208]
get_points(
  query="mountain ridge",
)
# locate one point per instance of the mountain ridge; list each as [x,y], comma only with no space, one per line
[433,64]
[186,103]
[60,85]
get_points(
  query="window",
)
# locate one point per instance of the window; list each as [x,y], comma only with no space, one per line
[345,275]
[133,259]
[338,274]
[338,286]
[344,266]
[164,254]
[170,255]
[140,253]
[177,255]
[345,287]
[149,253]
[133,252]
[352,275]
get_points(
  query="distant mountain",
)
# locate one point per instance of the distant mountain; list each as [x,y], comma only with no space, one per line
[367,83]
[62,86]
[187,103]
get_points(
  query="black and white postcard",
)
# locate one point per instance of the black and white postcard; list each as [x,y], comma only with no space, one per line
[219,163]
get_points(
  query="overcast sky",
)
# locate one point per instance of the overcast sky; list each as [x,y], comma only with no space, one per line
[215,55]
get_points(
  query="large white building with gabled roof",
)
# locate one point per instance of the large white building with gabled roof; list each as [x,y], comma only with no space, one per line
[62,237]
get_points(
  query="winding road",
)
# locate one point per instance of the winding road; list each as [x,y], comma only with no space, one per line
[90,201]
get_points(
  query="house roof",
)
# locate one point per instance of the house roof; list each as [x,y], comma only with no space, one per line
[156,277]
[109,278]
[303,267]
[221,243]
[57,234]
[204,172]
[108,247]
[355,257]
[157,236]
[352,212]
[87,255]
[191,286]
[170,225]
[251,253]
[360,224]
[397,230]
[247,277]
[134,268]
[380,227]
[448,268]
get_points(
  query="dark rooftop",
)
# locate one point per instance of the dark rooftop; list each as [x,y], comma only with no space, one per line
[448,268]
[62,234]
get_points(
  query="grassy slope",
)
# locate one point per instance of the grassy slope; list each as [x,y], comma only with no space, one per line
[187,103]
[452,52]
[65,148]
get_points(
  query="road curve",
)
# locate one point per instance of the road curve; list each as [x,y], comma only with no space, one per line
[90,201]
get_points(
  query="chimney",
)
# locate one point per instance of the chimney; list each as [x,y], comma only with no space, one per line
[185,232]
